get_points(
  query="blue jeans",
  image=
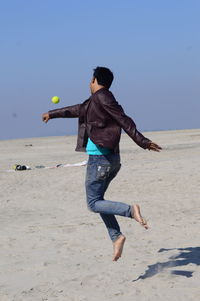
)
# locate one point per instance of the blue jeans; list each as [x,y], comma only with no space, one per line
[100,172]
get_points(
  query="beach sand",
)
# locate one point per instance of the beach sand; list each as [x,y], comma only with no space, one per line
[53,248]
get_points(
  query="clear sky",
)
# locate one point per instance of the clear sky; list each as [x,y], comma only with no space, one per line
[50,48]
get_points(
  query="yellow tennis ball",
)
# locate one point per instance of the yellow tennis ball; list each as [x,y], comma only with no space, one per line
[55,99]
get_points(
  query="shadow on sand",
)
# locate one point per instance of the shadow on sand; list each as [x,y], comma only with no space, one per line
[185,257]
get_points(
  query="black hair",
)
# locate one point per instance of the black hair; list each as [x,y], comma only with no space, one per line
[103,76]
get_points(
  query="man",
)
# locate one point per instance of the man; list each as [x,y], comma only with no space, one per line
[101,120]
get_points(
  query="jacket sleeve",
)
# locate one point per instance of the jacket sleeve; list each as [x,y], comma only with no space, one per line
[112,107]
[66,112]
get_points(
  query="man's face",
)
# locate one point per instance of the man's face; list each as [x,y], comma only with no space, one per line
[92,84]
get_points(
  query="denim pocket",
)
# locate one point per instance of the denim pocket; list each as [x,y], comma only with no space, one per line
[103,171]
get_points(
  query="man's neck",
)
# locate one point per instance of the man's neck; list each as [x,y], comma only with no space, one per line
[97,88]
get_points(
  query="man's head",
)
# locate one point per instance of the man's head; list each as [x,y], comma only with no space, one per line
[102,78]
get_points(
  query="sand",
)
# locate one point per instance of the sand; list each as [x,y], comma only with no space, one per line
[53,248]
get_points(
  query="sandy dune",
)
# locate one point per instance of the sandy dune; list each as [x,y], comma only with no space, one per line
[53,248]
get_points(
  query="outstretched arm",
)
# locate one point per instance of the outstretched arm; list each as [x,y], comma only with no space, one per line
[66,112]
[112,107]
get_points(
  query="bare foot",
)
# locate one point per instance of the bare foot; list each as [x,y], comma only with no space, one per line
[138,217]
[118,247]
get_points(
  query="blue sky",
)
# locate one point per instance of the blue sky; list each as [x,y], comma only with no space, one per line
[51,47]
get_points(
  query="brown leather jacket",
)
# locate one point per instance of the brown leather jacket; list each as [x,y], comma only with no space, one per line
[101,118]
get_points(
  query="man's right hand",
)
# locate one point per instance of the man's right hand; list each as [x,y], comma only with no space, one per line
[154,147]
[45,117]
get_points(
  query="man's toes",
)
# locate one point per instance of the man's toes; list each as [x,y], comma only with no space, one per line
[115,258]
[138,217]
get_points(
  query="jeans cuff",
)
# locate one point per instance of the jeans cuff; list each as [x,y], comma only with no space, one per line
[116,237]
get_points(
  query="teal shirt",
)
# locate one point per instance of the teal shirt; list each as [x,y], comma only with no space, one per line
[93,149]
